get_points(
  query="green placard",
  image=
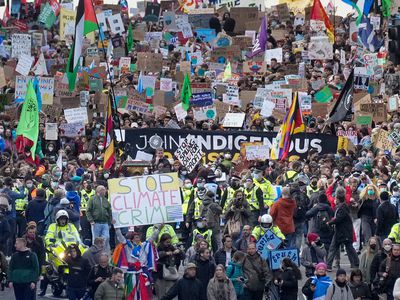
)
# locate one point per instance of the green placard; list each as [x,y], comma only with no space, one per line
[324,95]
[364,120]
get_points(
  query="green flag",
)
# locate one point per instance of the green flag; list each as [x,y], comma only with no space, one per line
[28,125]
[129,38]
[324,95]
[186,93]
[386,7]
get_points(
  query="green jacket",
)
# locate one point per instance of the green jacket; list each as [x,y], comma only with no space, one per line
[108,291]
[23,267]
[99,210]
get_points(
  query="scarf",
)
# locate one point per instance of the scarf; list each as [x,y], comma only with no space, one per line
[222,289]
[321,286]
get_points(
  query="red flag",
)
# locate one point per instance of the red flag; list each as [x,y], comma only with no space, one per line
[6,16]
[318,13]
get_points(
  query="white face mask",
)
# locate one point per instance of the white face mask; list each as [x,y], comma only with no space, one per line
[247,185]
[188,185]
[106,175]
[101,147]
[29,185]
[257,176]
[387,248]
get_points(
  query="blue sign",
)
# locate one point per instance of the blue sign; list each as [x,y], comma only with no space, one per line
[201,99]
[205,34]
[276,257]
[268,242]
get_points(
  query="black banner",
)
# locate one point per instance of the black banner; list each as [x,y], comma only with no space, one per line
[212,143]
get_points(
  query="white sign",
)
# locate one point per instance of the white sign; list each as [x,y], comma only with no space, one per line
[204,113]
[234,120]
[24,64]
[141,155]
[232,95]
[101,19]
[73,129]
[51,130]
[267,108]
[257,152]
[116,24]
[188,153]
[166,84]
[180,112]
[273,53]
[21,44]
[40,68]
[76,115]
[320,47]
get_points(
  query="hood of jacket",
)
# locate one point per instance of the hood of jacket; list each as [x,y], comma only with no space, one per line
[72,196]
[40,199]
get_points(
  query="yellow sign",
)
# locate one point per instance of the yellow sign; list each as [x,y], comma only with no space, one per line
[67,22]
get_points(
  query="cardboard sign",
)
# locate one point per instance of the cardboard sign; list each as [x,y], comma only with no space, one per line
[257,152]
[116,24]
[392,103]
[189,153]
[268,242]
[204,113]
[383,142]
[243,41]
[76,115]
[46,86]
[242,15]
[67,23]
[200,20]
[145,200]
[221,108]
[223,55]
[149,62]
[72,130]
[51,130]
[231,96]
[320,48]
[21,45]
[254,67]
[394,137]
[378,111]
[166,84]
[24,64]
[273,53]
[232,120]
[137,106]
[276,257]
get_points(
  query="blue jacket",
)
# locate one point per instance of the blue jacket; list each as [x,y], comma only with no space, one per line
[234,271]
[12,197]
[75,199]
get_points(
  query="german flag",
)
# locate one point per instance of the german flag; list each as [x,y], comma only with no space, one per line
[109,140]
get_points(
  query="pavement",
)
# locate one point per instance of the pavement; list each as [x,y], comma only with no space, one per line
[8,294]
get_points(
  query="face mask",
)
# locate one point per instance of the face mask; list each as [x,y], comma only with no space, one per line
[200,185]
[247,185]
[31,236]
[102,133]
[184,172]
[387,248]
[200,225]
[27,154]
[257,176]
[29,185]
[98,126]
[51,149]
[228,156]
[188,185]
[371,193]
[383,190]
[101,147]
[57,174]
[106,175]
[372,246]
[64,163]
[54,184]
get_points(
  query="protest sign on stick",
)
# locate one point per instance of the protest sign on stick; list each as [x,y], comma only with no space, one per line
[189,153]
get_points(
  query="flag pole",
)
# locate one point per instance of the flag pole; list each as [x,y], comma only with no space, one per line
[109,74]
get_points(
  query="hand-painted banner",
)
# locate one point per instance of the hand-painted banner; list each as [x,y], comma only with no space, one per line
[267,243]
[145,200]
[276,257]
[214,142]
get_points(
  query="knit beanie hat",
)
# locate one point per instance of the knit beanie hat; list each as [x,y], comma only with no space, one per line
[321,265]
[312,237]
[340,272]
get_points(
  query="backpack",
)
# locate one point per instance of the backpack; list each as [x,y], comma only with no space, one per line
[320,222]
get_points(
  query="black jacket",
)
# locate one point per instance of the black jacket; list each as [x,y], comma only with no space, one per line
[343,224]
[96,272]
[368,209]
[220,256]
[376,262]
[37,246]
[185,288]
[205,271]
[325,236]
[386,216]
[35,210]
[360,291]
[288,289]
[79,269]
[4,231]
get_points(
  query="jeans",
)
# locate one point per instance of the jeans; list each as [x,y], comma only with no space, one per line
[23,291]
[335,248]
[75,293]
[368,227]
[299,233]
[101,230]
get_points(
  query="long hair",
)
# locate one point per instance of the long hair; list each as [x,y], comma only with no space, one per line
[287,263]
[364,192]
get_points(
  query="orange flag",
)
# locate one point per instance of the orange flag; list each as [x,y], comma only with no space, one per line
[318,13]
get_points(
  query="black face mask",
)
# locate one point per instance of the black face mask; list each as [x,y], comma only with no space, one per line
[373,246]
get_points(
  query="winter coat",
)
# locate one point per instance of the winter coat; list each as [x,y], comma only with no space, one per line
[336,292]
[288,289]
[99,210]
[307,258]
[211,211]
[257,272]
[360,290]
[376,262]
[185,288]
[325,236]
[331,199]
[73,215]
[233,272]
[368,208]
[386,216]
[282,213]
[75,199]
[23,267]
[37,246]
[167,260]
[394,272]
[35,210]
[343,224]
[108,291]
[48,211]
[214,291]
[79,269]
[220,256]
[4,230]
[96,272]
[93,255]
[365,264]
[205,271]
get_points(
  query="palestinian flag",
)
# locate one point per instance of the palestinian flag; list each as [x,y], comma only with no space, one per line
[109,144]
[85,23]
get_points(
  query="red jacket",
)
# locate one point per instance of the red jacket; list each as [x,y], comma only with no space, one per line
[282,212]
[331,198]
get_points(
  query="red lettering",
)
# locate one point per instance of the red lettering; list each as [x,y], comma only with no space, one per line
[114,202]
[156,198]
[144,196]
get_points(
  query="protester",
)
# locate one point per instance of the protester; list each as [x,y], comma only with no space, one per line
[95,251]
[340,288]
[224,255]
[316,286]
[235,273]
[367,257]
[359,288]
[245,239]
[98,274]
[288,280]
[205,269]
[312,254]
